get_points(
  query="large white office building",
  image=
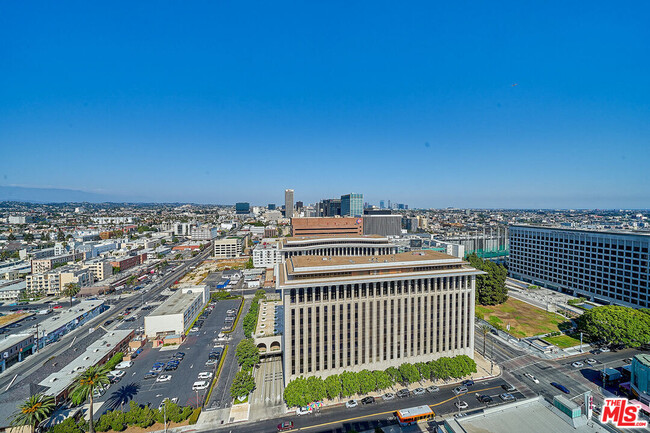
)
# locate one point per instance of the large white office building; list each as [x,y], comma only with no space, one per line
[177,313]
[350,313]
[605,266]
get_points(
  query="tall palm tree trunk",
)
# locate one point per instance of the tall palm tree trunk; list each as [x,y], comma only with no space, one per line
[90,421]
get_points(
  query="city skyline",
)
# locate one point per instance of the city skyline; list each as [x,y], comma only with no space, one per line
[503,107]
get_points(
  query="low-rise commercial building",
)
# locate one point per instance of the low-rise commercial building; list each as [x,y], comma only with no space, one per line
[59,324]
[174,316]
[129,262]
[14,348]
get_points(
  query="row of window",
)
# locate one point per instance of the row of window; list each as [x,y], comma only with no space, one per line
[347,335]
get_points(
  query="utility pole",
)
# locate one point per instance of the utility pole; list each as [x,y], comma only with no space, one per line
[37,337]
[581,342]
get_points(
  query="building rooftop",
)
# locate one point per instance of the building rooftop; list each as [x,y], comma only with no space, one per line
[58,320]
[269,319]
[57,382]
[176,303]
[16,285]
[527,416]
[333,236]
[370,262]
[587,230]
[10,340]
[643,358]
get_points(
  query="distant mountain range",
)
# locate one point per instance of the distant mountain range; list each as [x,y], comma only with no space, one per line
[54,195]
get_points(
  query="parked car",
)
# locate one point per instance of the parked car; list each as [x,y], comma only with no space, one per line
[199,385]
[461,404]
[164,378]
[171,367]
[388,396]
[124,364]
[287,425]
[577,364]
[484,398]
[507,396]
[117,373]
[561,387]
[460,390]
[508,387]
[591,361]
[419,391]
[368,400]
[468,382]
[351,404]
[403,393]
[151,375]
[205,375]
[433,389]
[304,410]
[210,362]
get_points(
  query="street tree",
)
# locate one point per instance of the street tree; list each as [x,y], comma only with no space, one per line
[33,411]
[85,384]
[613,324]
[349,383]
[70,290]
[382,379]
[409,372]
[247,353]
[242,385]
[490,288]
[333,386]
[367,382]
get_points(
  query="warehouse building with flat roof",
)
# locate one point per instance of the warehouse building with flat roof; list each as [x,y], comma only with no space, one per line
[175,316]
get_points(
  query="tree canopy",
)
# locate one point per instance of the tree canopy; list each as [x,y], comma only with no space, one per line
[242,385]
[491,288]
[613,324]
[247,353]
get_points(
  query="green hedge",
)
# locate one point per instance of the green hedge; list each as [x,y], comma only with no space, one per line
[301,391]
[115,359]
[194,417]
[140,416]
[250,319]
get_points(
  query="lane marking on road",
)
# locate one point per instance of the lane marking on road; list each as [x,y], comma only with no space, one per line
[387,412]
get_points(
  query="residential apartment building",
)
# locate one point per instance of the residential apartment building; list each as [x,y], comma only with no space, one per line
[267,254]
[101,269]
[53,282]
[374,312]
[12,291]
[40,266]
[228,248]
[326,226]
[129,262]
[604,266]
[203,233]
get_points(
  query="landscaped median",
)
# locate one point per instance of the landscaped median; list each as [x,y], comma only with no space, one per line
[215,379]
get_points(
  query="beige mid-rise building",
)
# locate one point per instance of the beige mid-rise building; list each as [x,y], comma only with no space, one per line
[344,313]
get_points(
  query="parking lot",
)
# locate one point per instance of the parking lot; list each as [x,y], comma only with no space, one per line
[196,347]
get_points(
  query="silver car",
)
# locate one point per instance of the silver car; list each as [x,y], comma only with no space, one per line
[460,390]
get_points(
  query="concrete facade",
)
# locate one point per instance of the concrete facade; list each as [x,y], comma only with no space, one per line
[349,314]
[336,245]
[177,313]
[288,203]
[610,267]
[326,226]
[228,248]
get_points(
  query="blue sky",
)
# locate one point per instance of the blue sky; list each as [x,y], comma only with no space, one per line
[217,102]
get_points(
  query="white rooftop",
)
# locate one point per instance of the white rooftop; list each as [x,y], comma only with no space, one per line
[57,320]
[62,379]
[176,303]
[11,340]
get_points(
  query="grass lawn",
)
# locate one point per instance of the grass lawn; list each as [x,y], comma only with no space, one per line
[524,319]
[562,341]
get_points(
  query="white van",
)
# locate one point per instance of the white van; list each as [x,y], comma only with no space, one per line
[200,385]
[124,364]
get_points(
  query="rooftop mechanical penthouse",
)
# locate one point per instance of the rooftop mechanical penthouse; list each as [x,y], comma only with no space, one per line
[374,312]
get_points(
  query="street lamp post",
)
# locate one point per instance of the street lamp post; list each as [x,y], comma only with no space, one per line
[164,415]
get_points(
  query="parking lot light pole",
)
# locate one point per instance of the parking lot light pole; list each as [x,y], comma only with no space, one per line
[164,415]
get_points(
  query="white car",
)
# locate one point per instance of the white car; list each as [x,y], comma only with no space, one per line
[199,385]
[461,404]
[460,390]
[164,378]
[591,361]
[117,373]
[578,364]
[205,375]
[303,411]
[351,404]
[124,364]
[531,377]
[419,391]
[433,389]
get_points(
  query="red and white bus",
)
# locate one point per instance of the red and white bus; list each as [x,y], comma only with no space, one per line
[413,415]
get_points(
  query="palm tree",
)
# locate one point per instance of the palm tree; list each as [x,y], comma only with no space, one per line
[93,378]
[70,290]
[485,330]
[34,410]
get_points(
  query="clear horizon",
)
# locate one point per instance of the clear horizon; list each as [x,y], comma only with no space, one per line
[472,105]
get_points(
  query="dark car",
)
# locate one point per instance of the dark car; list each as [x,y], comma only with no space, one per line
[179,355]
[402,393]
[368,400]
[562,388]
[171,367]
[484,398]
[468,382]
[508,387]
[151,375]
[287,425]
[108,322]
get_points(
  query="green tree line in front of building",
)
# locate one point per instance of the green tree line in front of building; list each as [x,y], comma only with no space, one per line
[490,288]
[303,391]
